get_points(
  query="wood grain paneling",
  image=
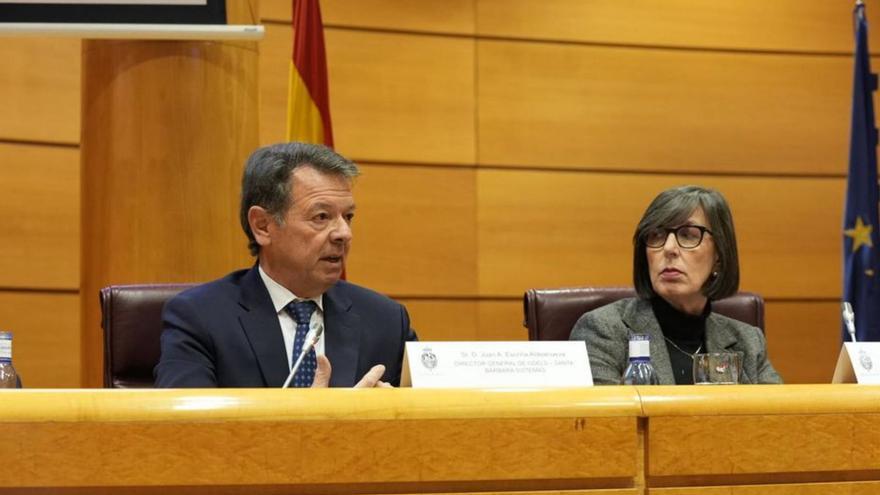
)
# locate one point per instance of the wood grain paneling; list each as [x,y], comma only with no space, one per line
[414,230]
[393,97]
[161,201]
[267,452]
[167,127]
[243,12]
[746,24]
[758,401]
[803,339]
[838,488]
[39,89]
[46,337]
[275,53]
[554,229]
[258,405]
[688,445]
[551,105]
[443,319]
[39,241]
[501,320]
[430,16]
[364,441]
[467,320]
[788,439]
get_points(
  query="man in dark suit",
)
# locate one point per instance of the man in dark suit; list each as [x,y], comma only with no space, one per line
[247,329]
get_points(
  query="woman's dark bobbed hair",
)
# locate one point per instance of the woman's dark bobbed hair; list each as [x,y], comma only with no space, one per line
[672,208]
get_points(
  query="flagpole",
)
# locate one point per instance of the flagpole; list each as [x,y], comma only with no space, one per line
[858,9]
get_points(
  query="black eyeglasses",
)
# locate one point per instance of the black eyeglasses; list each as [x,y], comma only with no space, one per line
[687,236]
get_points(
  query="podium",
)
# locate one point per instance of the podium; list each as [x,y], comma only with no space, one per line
[602,440]
[166,128]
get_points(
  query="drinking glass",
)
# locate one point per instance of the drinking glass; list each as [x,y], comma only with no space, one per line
[717,368]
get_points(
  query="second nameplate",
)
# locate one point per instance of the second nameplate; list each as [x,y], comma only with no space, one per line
[496,364]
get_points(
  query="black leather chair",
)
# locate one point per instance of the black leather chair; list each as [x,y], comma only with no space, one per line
[131,316]
[550,314]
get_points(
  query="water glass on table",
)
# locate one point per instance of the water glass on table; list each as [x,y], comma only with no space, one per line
[717,368]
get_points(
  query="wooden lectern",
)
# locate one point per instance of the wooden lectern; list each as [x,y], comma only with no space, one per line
[166,128]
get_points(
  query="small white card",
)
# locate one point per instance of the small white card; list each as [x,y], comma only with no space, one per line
[527,364]
[858,362]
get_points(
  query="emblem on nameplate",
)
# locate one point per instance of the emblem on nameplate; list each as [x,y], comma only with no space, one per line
[865,361]
[429,359]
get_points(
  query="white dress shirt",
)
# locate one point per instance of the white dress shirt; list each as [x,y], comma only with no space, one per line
[281,297]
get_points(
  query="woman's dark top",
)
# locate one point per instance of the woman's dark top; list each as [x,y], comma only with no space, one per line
[686,331]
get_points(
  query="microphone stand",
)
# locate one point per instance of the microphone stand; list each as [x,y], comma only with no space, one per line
[311,339]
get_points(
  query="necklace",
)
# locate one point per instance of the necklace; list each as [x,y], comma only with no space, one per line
[689,354]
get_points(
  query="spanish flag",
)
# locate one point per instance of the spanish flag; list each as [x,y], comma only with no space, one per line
[308,102]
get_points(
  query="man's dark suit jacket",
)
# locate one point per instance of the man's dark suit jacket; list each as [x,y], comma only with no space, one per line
[226,334]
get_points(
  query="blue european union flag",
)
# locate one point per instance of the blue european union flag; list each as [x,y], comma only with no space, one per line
[860,232]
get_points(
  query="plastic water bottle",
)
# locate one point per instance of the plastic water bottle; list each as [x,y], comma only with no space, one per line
[7,372]
[640,371]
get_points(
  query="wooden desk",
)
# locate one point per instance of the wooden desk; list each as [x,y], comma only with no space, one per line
[319,441]
[604,440]
[805,439]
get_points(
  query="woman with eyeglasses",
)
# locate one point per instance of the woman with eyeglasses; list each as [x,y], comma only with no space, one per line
[684,257]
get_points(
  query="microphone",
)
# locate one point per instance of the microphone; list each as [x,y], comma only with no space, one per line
[849,320]
[311,339]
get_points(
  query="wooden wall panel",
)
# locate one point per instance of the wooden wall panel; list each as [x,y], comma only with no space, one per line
[414,230]
[430,16]
[552,105]
[552,229]
[393,97]
[275,50]
[243,12]
[466,319]
[443,319]
[501,320]
[39,89]
[803,339]
[745,24]
[401,97]
[39,242]
[46,338]
[789,233]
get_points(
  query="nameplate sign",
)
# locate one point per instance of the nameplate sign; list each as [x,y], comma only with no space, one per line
[858,362]
[541,364]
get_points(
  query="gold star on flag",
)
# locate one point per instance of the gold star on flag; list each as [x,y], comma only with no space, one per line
[860,234]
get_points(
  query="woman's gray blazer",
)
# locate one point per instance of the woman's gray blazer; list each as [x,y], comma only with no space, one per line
[607,329]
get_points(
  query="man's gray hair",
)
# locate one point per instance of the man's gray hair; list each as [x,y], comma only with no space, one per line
[266,179]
